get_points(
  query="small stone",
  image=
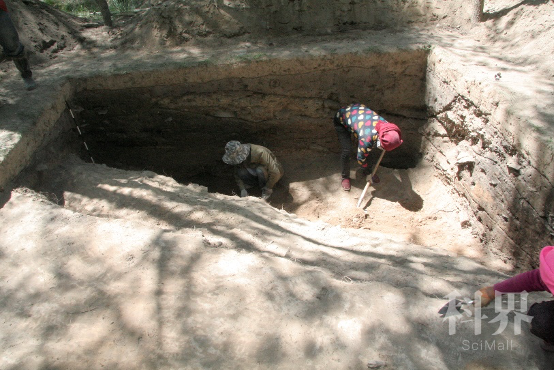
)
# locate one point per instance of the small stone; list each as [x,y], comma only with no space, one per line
[514,165]
[464,219]
[375,364]
[318,148]
[464,158]
[224,114]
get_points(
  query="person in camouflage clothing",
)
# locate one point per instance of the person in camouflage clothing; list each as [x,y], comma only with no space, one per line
[255,166]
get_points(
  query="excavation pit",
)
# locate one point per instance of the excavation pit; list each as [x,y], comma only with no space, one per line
[180,130]
[148,122]
[176,122]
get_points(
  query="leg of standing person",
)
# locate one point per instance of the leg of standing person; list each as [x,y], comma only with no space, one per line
[13,49]
[345,141]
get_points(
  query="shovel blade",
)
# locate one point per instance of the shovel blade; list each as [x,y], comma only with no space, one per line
[452,308]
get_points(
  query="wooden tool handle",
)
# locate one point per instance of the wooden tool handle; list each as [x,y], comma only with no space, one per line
[370,181]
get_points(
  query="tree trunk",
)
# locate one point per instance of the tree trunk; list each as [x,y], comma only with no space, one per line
[105,10]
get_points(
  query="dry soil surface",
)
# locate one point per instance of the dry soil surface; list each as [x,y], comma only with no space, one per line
[130,270]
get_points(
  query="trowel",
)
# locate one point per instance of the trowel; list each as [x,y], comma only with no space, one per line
[455,307]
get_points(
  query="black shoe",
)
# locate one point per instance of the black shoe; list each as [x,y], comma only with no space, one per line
[30,84]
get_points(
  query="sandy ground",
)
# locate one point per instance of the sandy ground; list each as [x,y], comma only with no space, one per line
[411,205]
[105,268]
[138,271]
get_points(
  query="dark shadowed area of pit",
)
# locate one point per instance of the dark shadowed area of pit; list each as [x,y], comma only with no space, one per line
[287,106]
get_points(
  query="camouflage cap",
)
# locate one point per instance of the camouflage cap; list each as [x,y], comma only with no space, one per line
[235,152]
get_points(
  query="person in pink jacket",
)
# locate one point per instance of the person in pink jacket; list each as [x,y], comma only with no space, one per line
[541,279]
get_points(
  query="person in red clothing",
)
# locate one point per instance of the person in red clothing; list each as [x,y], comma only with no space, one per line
[370,131]
[13,49]
[538,280]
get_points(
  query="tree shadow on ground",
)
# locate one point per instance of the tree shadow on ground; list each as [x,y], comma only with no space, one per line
[169,299]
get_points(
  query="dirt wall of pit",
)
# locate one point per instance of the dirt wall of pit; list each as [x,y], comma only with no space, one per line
[320,16]
[180,129]
[489,146]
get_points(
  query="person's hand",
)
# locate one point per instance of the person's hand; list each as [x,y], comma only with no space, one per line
[374,180]
[243,193]
[266,193]
[487,295]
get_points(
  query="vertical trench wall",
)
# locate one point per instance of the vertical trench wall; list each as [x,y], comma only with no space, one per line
[484,148]
[322,16]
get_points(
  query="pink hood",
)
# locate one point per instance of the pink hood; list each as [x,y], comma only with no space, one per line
[547,267]
[389,135]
